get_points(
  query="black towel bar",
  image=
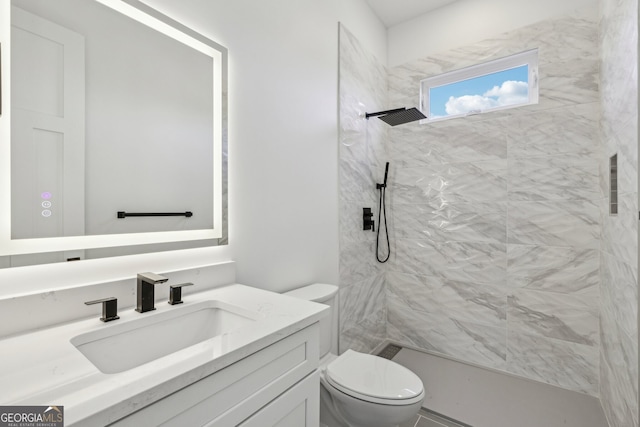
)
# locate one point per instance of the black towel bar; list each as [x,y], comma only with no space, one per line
[122,214]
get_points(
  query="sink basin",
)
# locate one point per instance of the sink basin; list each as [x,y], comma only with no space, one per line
[116,347]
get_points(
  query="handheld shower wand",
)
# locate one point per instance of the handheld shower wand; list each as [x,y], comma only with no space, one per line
[386,173]
[382,210]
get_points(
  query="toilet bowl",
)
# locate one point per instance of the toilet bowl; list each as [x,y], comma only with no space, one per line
[367,390]
[358,389]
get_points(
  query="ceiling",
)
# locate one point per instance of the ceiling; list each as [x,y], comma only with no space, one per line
[392,12]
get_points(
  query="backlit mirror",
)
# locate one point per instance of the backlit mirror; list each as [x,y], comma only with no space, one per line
[114,119]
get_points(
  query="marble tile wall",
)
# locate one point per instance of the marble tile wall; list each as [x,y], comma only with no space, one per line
[362,152]
[496,217]
[619,241]
[504,253]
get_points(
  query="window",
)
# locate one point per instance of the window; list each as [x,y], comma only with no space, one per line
[496,85]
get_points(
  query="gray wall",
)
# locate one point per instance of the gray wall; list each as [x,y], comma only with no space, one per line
[619,241]
[363,88]
[495,218]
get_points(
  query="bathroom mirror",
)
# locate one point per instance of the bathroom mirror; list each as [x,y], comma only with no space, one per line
[110,109]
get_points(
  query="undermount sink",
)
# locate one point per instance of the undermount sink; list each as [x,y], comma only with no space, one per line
[120,347]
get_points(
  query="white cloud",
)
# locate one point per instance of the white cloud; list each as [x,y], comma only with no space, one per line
[464,104]
[509,93]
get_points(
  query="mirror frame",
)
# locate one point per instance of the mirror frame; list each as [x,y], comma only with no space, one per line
[160,22]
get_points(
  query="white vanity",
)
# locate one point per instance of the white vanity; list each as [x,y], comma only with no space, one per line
[234,355]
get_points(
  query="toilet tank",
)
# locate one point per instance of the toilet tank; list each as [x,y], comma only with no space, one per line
[323,294]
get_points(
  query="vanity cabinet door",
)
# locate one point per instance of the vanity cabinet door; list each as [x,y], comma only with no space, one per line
[227,397]
[297,407]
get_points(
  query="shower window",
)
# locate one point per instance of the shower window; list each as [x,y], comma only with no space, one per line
[503,83]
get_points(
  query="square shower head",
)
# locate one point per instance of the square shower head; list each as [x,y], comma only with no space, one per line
[402,117]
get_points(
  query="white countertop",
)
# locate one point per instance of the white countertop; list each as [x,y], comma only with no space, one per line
[44,368]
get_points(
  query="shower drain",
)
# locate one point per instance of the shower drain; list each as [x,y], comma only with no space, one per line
[390,351]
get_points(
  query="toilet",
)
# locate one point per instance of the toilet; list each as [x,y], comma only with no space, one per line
[358,389]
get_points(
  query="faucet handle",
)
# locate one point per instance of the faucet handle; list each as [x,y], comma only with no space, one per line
[175,293]
[109,308]
[152,278]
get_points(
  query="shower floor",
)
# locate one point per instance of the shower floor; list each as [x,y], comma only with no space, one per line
[483,398]
[428,419]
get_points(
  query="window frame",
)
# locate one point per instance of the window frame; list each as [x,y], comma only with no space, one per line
[529,58]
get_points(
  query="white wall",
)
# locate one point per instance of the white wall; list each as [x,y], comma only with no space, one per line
[467,21]
[358,17]
[283,131]
[283,190]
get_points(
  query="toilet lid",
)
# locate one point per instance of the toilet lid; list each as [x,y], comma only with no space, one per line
[367,376]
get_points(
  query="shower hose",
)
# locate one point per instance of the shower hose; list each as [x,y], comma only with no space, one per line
[382,212]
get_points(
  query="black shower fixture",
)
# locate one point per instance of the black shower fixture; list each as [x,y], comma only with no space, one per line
[382,217]
[367,222]
[399,116]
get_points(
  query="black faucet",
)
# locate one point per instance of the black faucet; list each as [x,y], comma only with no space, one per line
[109,308]
[145,292]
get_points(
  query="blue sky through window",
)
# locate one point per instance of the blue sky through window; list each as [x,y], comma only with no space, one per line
[508,87]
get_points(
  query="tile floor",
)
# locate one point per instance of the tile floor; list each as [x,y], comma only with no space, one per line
[483,398]
[427,419]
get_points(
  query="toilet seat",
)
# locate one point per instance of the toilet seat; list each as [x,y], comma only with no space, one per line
[374,379]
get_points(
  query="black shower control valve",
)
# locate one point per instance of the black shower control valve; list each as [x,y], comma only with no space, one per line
[367,222]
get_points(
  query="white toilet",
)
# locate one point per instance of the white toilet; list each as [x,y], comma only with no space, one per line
[357,389]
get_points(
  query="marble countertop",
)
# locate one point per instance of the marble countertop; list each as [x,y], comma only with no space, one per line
[44,368]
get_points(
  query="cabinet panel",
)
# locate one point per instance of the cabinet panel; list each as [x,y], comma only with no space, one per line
[297,407]
[226,397]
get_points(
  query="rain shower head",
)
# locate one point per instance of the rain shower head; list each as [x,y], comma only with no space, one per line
[399,116]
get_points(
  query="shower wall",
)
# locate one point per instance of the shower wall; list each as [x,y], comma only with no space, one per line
[362,88]
[495,217]
[619,242]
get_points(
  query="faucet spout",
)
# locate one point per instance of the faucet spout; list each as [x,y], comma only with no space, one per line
[145,295]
